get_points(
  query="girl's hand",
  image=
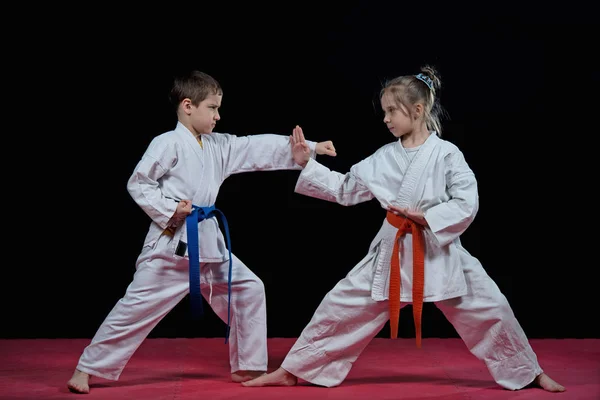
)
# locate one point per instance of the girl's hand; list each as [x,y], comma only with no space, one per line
[300,149]
[417,216]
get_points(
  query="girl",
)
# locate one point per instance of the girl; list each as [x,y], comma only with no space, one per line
[431,196]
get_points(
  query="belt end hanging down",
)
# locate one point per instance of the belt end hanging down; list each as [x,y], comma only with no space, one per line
[227,334]
[196,305]
[199,214]
[394,321]
[229,300]
[194,264]
[417,316]
[228,324]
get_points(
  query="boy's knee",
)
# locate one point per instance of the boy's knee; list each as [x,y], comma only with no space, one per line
[257,287]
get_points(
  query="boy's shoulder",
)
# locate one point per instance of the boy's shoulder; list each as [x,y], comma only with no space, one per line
[218,137]
[164,141]
[165,136]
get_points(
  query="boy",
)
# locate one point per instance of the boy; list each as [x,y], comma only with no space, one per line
[182,168]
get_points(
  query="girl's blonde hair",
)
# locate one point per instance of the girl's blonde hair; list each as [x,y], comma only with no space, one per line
[408,90]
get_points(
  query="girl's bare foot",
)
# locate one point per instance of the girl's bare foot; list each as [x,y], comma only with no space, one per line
[276,378]
[243,376]
[79,382]
[548,384]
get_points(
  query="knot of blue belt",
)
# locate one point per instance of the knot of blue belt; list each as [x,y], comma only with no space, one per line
[199,214]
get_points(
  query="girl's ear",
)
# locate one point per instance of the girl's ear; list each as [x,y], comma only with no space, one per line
[418,110]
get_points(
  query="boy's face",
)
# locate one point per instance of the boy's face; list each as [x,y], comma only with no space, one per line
[204,117]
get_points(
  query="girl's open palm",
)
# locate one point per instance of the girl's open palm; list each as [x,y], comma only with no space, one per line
[300,149]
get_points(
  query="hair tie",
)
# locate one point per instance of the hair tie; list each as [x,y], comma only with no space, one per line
[427,80]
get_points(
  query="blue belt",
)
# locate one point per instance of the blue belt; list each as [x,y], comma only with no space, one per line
[199,214]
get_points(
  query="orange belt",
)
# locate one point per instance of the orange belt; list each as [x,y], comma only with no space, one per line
[405,226]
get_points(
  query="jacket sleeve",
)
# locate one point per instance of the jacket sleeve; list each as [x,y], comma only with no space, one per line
[449,220]
[143,184]
[320,182]
[264,152]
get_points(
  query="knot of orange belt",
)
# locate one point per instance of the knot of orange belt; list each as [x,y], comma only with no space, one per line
[405,226]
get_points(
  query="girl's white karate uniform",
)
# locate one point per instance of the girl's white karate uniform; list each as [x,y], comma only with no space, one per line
[175,166]
[436,179]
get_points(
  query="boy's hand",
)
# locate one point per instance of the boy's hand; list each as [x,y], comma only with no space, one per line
[416,216]
[301,151]
[184,208]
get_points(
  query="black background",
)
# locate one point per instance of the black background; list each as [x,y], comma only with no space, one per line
[519,84]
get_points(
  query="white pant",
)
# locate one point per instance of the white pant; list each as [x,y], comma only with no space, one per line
[159,284]
[348,318]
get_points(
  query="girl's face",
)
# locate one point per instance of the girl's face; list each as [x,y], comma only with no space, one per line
[396,117]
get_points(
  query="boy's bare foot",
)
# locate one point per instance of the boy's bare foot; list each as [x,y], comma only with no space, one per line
[79,382]
[548,384]
[276,378]
[243,375]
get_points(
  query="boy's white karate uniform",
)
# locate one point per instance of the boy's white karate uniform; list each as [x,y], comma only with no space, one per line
[176,167]
[438,181]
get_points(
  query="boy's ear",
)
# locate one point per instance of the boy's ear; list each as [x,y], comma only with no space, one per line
[186,105]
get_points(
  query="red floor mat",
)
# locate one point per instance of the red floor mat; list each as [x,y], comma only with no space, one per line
[178,369]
